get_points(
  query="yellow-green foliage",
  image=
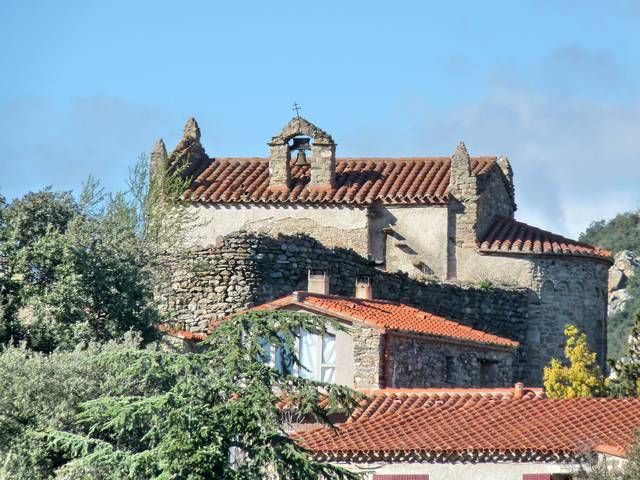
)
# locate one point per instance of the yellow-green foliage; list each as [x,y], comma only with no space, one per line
[581,378]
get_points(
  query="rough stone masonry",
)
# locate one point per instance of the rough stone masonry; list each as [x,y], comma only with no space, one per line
[432,231]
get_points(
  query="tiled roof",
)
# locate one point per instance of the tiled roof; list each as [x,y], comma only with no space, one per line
[379,402]
[509,236]
[360,181]
[385,314]
[175,332]
[446,426]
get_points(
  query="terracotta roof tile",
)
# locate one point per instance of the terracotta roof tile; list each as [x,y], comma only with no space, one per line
[184,334]
[386,314]
[510,236]
[359,181]
[449,425]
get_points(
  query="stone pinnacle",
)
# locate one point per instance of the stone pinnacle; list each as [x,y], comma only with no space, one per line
[192,130]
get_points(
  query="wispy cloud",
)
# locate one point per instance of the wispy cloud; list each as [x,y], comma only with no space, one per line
[574,161]
[61,145]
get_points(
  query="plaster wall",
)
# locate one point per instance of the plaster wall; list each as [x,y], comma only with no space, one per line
[417,243]
[344,352]
[472,267]
[467,471]
[344,227]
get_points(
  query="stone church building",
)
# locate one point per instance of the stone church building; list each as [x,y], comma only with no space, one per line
[434,221]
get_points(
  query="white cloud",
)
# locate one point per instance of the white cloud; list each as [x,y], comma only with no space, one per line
[574,160]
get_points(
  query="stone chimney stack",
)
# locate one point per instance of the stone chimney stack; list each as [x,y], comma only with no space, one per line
[463,188]
[518,391]
[318,282]
[364,289]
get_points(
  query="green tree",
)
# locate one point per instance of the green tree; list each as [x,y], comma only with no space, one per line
[74,271]
[620,233]
[44,391]
[115,413]
[581,377]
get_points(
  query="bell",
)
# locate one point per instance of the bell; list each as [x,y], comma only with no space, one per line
[301,158]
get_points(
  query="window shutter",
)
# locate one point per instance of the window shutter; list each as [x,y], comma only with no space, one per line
[400,477]
[536,476]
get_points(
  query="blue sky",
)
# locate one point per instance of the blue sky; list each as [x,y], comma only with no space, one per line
[87,86]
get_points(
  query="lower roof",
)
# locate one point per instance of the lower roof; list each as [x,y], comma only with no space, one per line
[508,236]
[477,426]
[388,315]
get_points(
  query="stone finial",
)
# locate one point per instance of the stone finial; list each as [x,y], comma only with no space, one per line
[192,130]
[461,156]
[158,157]
[463,188]
[507,171]
[505,166]
[159,150]
[189,152]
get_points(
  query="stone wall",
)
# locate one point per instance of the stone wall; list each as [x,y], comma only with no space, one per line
[569,291]
[243,270]
[367,357]
[494,199]
[416,361]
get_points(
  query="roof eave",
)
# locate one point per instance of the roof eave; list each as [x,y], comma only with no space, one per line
[508,253]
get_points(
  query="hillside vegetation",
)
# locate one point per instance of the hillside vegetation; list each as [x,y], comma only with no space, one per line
[620,233]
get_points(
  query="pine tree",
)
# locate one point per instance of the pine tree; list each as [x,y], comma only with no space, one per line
[582,377]
[223,413]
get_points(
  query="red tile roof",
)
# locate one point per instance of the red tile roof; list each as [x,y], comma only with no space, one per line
[385,314]
[360,181]
[176,332]
[446,426]
[509,236]
[399,400]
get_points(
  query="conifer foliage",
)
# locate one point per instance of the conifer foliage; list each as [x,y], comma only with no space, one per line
[222,413]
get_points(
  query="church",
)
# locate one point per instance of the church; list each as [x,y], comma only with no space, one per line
[433,222]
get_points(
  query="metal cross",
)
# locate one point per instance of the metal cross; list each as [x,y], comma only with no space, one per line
[296,107]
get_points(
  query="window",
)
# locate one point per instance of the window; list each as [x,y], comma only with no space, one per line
[317,354]
[280,359]
[488,372]
[328,369]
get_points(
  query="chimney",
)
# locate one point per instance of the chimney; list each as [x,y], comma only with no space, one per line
[318,282]
[363,287]
[518,391]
